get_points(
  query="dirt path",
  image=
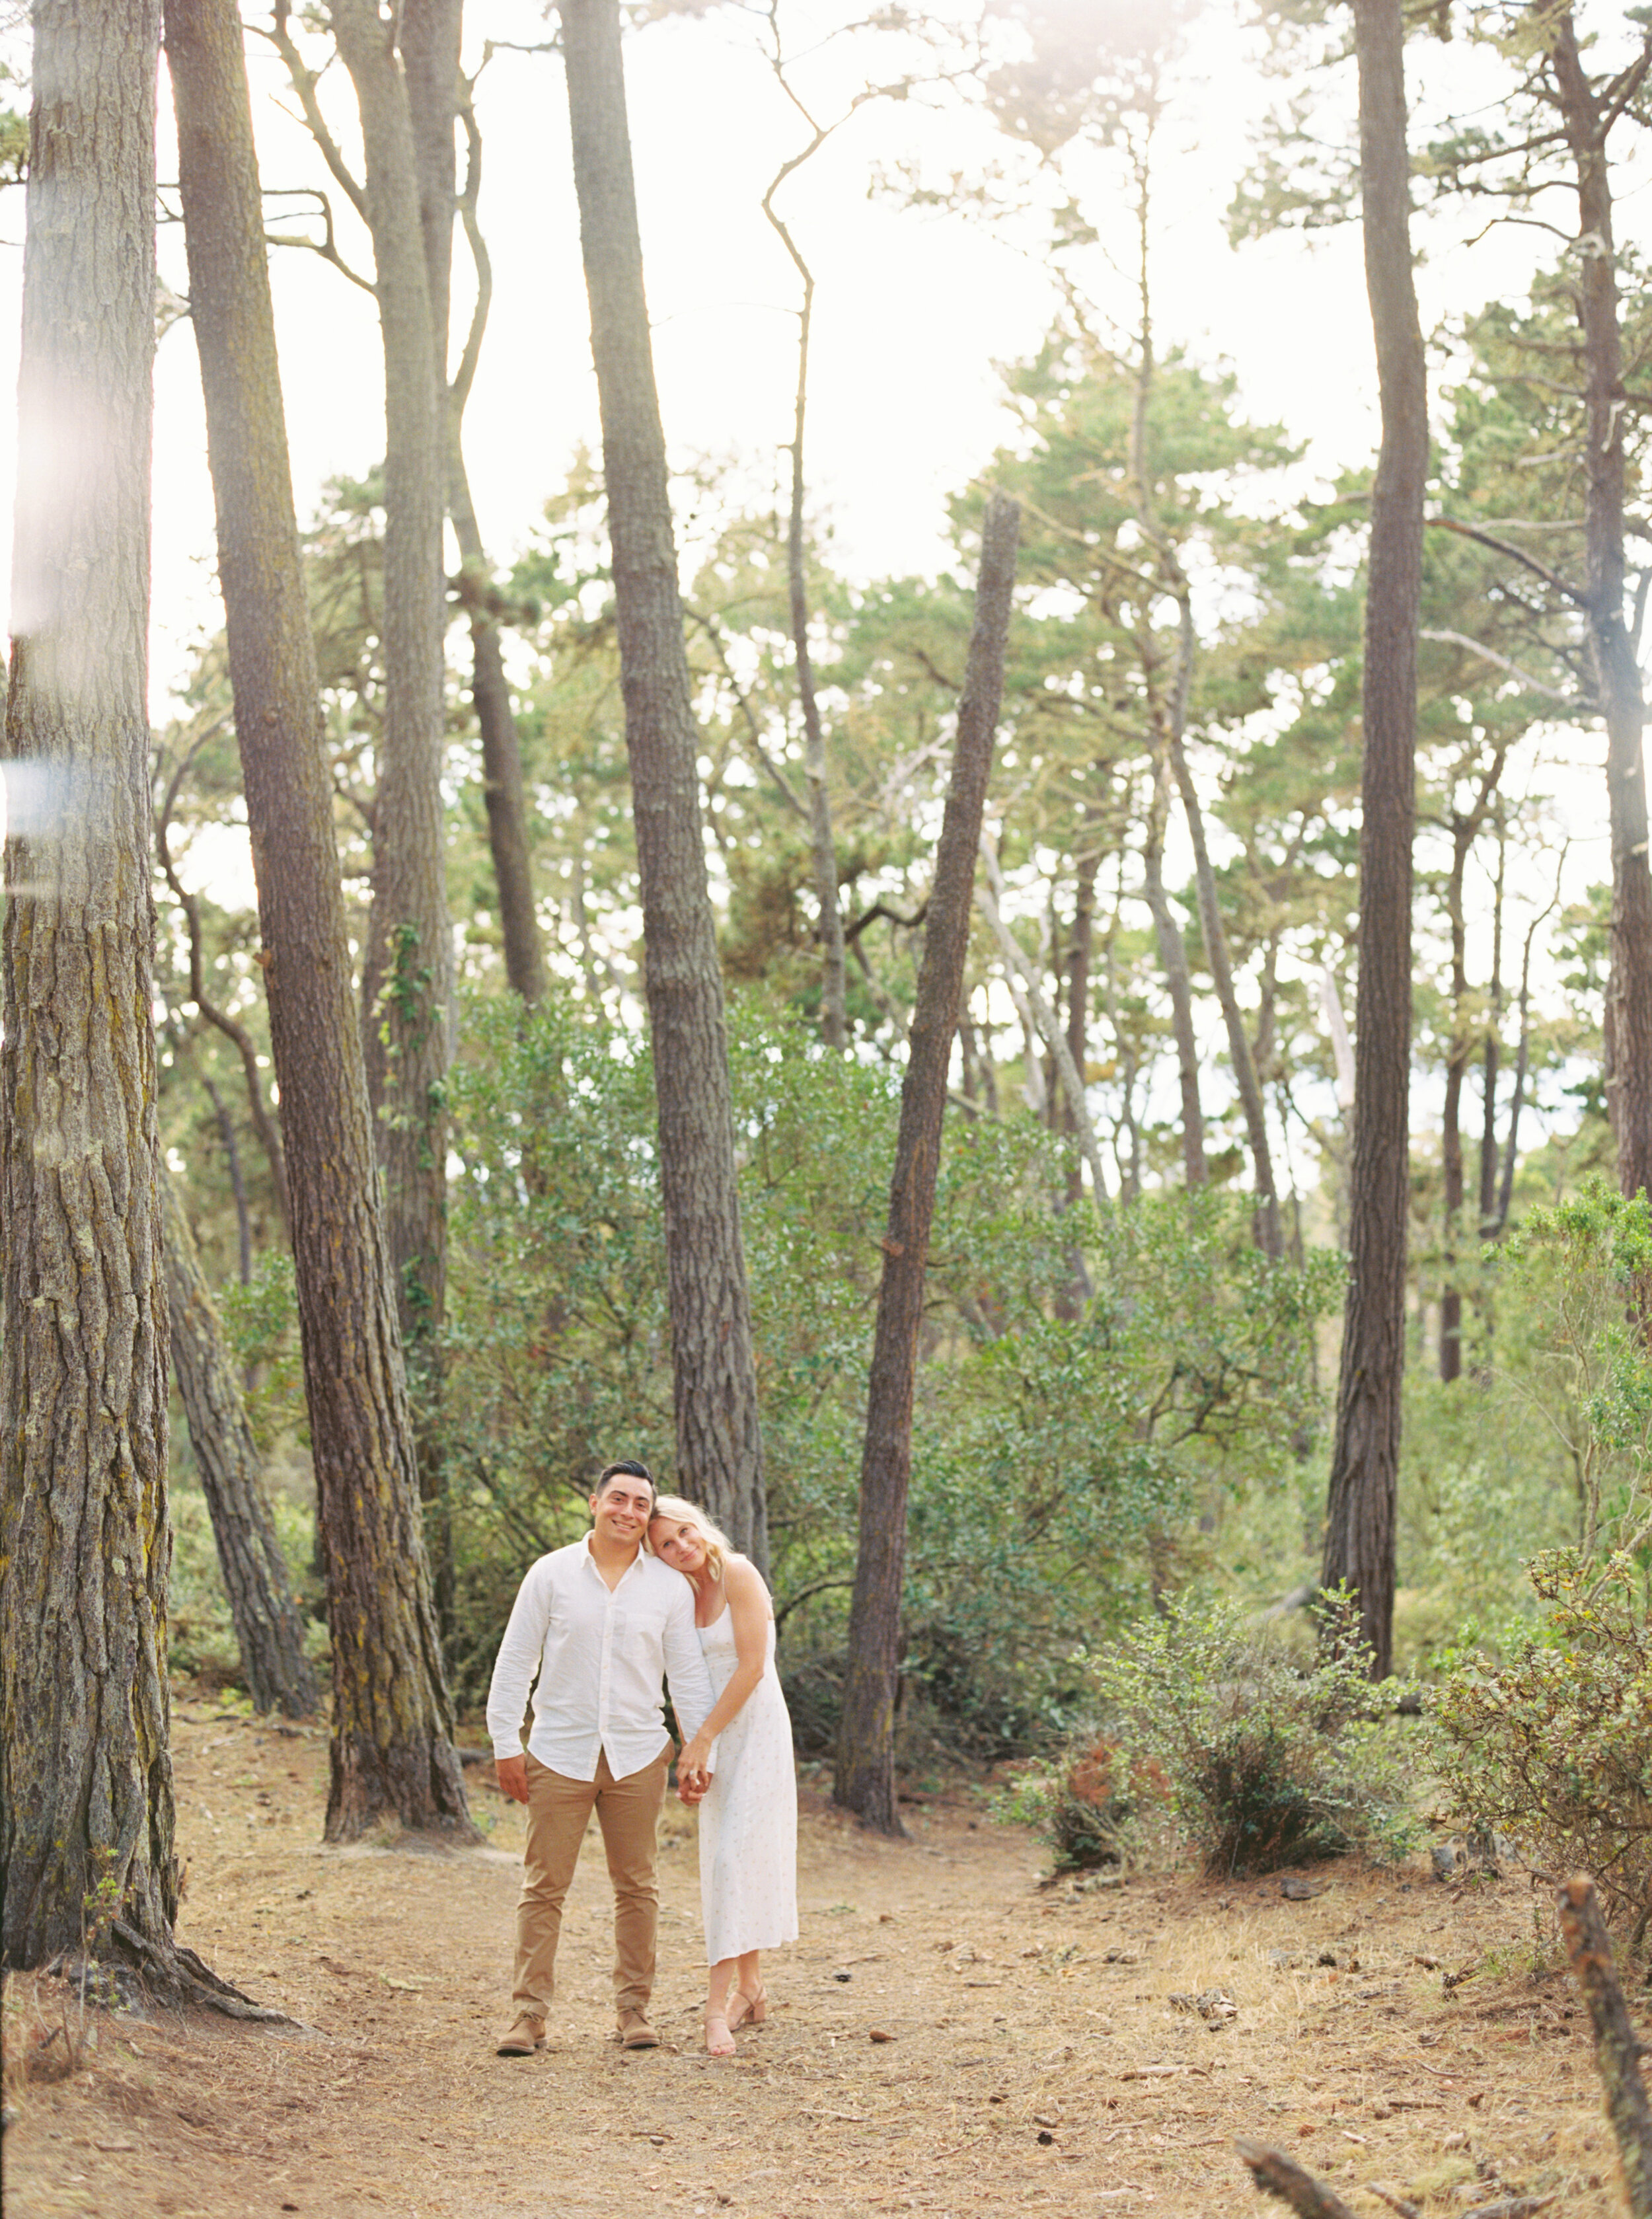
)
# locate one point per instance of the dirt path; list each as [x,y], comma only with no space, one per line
[1036,2060]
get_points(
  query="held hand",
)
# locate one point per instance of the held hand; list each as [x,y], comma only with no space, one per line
[691,1787]
[512,1773]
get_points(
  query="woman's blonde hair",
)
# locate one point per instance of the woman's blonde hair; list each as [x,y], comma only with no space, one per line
[719,1547]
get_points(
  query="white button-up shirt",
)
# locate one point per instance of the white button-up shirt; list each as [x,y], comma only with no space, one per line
[602,1655]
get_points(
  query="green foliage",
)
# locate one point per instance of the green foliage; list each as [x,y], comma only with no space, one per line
[1062,1448]
[1553,1744]
[1268,1758]
[260,1323]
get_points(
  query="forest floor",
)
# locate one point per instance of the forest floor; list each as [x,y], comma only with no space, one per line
[948,2036]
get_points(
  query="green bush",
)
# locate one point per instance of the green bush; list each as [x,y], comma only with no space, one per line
[1258,1756]
[1551,1744]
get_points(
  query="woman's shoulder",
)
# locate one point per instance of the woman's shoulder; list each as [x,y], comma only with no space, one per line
[741,1577]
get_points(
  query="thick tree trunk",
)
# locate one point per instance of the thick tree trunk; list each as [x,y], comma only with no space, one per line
[1173,956]
[407,974]
[392,1727]
[263,1606]
[1364,1466]
[86,1809]
[1629,1021]
[719,1445]
[864,1777]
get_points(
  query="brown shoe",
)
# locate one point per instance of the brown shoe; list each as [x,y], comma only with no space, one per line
[527,2034]
[636,2033]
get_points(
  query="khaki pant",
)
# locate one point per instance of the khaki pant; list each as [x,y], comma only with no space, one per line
[559,1810]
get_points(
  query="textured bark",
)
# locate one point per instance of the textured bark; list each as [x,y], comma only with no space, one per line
[864,1775]
[407,974]
[1173,955]
[263,1606]
[1588,120]
[392,1728]
[1618,2049]
[719,1446]
[86,1809]
[1364,1465]
[1071,1299]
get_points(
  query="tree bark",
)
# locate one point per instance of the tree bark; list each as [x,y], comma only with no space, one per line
[1629,1021]
[431,32]
[1173,956]
[865,1777]
[719,1441]
[407,974]
[263,1606]
[1617,2048]
[86,1806]
[392,1727]
[1364,1466]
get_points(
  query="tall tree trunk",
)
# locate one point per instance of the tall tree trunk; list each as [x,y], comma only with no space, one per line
[1628,1022]
[407,974]
[834,1014]
[1173,958]
[1071,1299]
[865,1777]
[1364,1464]
[263,1607]
[1269,1237]
[1492,1051]
[391,1726]
[719,1445]
[86,1808]
[237,1180]
[1457,1068]
[430,40]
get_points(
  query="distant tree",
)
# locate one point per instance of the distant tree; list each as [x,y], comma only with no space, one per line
[719,1445]
[1359,1542]
[864,1781]
[263,1607]
[391,1726]
[86,1804]
[438,99]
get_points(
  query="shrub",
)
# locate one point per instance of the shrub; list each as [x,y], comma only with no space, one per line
[1551,1744]
[1268,1758]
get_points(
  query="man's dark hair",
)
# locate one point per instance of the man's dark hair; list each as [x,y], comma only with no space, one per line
[627,1468]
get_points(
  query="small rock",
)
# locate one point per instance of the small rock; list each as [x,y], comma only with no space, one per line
[1045,2137]
[1325,1957]
[1298,1891]
[877,2034]
[1456,2141]
[842,1976]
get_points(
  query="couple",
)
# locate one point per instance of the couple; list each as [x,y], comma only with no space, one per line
[653,1592]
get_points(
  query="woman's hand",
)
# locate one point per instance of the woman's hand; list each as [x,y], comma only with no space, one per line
[693,1778]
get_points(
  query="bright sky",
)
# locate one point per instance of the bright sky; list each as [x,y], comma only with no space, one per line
[913,309]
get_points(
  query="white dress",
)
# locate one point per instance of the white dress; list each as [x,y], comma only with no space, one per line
[748,1817]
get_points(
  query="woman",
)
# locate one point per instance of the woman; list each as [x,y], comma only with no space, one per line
[748,1813]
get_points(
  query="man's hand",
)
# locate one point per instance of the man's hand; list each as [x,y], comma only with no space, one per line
[512,1773]
[692,1786]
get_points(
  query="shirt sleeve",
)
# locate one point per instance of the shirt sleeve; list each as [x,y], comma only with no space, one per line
[690,1683]
[517,1660]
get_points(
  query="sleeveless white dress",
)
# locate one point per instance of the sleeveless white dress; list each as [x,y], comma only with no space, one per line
[748,1817]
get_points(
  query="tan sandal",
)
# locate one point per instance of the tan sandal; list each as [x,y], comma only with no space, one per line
[748,2010]
[716,2046]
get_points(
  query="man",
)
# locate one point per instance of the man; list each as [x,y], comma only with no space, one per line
[602,1625]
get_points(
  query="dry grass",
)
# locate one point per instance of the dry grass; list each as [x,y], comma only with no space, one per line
[1038,2058]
